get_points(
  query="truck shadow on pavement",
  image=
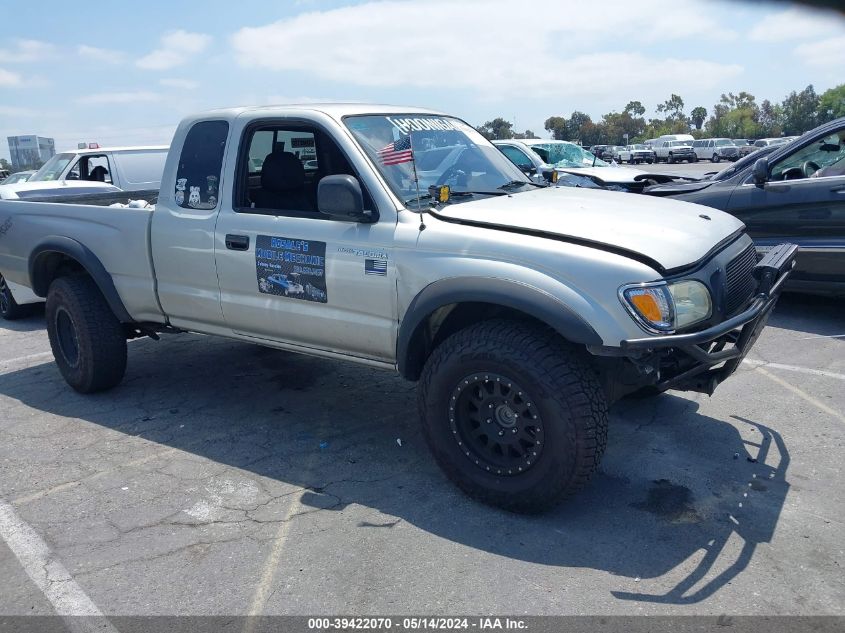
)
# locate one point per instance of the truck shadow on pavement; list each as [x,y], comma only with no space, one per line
[676,512]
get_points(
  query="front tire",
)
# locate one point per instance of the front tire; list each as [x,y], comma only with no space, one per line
[87,340]
[715,158]
[671,159]
[513,415]
[9,308]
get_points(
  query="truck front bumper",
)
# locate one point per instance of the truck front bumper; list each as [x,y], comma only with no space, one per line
[699,361]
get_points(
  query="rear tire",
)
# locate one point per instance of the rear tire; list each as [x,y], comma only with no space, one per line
[9,308]
[513,415]
[87,340]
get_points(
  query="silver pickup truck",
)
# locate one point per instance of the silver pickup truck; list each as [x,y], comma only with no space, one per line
[400,238]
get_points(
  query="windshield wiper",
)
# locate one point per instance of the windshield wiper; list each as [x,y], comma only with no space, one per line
[515,184]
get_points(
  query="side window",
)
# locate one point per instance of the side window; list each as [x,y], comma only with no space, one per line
[823,157]
[200,164]
[73,174]
[517,157]
[96,168]
[141,167]
[281,166]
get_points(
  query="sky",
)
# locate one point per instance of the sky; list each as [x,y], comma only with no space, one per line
[126,73]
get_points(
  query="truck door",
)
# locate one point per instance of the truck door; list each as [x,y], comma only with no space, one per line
[182,235]
[803,203]
[290,274]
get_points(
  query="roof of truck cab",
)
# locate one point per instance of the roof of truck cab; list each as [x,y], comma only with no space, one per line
[100,150]
[336,110]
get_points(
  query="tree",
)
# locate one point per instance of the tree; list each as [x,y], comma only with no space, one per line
[771,118]
[698,116]
[800,111]
[831,104]
[576,125]
[496,129]
[673,107]
[525,134]
[558,127]
[4,164]
[635,108]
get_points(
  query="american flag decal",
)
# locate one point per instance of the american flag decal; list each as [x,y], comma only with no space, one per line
[397,152]
[375,267]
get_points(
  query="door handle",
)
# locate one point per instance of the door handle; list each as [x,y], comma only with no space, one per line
[237,242]
[839,189]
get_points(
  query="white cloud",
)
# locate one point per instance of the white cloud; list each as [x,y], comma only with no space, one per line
[828,52]
[103,55]
[794,24]
[183,84]
[469,50]
[138,96]
[27,51]
[177,48]
[8,78]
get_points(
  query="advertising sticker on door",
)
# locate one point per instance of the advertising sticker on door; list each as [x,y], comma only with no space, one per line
[290,267]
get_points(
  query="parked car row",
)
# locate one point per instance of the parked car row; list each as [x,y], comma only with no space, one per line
[786,189]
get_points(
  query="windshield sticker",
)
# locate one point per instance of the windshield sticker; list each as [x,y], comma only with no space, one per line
[419,124]
[290,267]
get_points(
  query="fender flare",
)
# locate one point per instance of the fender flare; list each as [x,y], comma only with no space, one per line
[510,294]
[39,274]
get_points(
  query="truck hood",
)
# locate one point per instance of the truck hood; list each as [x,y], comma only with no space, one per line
[666,234]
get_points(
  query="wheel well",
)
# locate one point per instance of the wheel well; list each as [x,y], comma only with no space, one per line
[448,319]
[49,266]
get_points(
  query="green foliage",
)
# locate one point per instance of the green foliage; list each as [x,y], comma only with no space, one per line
[496,129]
[800,111]
[635,108]
[697,116]
[832,104]
[735,116]
[557,126]
[4,164]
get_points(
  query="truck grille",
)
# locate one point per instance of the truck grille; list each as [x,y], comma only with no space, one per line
[739,279]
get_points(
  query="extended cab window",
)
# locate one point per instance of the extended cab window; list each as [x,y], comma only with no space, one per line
[281,167]
[200,164]
[517,157]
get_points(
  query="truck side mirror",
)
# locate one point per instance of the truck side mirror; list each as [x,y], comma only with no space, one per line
[761,171]
[340,197]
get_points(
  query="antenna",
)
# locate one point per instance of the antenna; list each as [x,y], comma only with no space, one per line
[417,182]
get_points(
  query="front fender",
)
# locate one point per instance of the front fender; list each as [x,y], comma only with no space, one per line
[510,294]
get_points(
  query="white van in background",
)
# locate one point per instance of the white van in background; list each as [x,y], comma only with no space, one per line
[715,149]
[128,168]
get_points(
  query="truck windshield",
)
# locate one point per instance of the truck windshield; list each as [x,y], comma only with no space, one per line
[565,154]
[53,168]
[431,150]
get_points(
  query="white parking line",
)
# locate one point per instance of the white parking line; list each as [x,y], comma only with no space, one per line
[49,575]
[800,370]
[21,362]
[803,394]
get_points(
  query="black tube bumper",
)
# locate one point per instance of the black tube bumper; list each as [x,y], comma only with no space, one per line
[729,341]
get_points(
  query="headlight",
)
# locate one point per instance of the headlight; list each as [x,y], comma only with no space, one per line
[692,303]
[664,308]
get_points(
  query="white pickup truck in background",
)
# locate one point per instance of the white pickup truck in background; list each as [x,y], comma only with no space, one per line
[128,168]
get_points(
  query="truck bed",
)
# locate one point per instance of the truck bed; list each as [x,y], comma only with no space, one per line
[118,237]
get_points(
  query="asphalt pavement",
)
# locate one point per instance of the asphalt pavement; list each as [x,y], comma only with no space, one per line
[223,478]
